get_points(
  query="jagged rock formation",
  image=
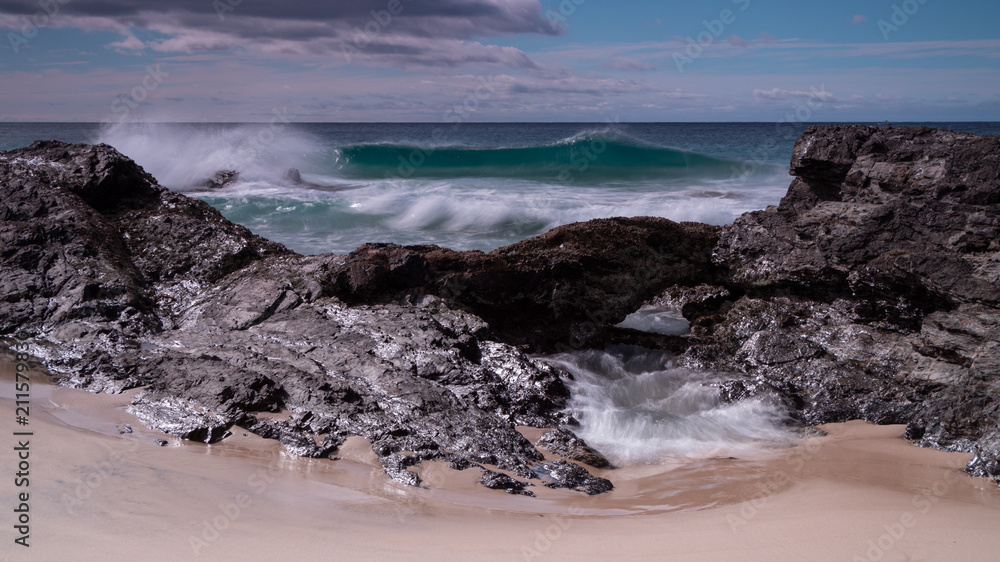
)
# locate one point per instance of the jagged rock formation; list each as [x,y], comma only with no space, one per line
[565,287]
[870,292]
[566,444]
[132,285]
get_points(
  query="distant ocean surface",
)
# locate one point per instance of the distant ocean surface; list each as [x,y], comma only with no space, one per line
[330,187]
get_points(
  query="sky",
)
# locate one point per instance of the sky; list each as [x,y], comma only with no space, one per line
[499,60]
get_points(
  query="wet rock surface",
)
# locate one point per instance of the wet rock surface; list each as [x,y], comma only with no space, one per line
[499,481]
[870,292]
[566,444]
[564,474]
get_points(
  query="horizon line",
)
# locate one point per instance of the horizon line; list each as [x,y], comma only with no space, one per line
[849,122]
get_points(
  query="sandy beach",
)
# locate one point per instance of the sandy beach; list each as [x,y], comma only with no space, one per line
[858,493]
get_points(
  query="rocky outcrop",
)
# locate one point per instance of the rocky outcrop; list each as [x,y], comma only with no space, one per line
[123,283]
[499,481]
[563,474]
[221,179]
[870,292]
[566,444]
[567,287]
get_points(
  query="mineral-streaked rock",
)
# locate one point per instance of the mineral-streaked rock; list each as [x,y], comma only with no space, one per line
[564,474]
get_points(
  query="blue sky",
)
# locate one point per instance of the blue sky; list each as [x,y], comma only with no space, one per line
[500,60]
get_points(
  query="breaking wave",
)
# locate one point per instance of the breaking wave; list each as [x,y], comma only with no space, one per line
[591,155]
[376,183]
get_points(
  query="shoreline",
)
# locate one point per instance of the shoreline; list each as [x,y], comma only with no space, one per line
[824,499]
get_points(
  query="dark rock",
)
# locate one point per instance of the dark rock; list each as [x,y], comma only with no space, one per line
[161,442]
[987,459]
[293,175]
[563,289]
[89,259]
[182,418]
[374,271]
[221,179]
[295,438]
[563,474]
[499,481]
[903,235]
[872,291]
[565,286]
[148,287]
[566,444]
[460,464]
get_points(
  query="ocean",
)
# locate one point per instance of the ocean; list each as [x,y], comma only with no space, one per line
[329,187]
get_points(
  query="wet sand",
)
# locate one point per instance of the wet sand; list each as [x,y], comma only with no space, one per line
[859,493]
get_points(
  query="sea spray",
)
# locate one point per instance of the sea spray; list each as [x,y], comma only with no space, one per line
[183,156]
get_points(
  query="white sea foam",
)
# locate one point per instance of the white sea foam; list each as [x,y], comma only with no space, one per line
[656,319]
[636,407]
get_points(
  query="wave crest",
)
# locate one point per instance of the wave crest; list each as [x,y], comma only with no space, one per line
[589,155]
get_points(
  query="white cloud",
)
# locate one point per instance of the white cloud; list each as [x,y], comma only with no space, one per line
[128,43]
[629,65]
[815,93]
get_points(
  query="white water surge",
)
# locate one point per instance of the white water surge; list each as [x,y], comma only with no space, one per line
[656,319]
[636,407]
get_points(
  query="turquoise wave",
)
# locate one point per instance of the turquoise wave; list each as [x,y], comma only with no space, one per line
[582,157]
